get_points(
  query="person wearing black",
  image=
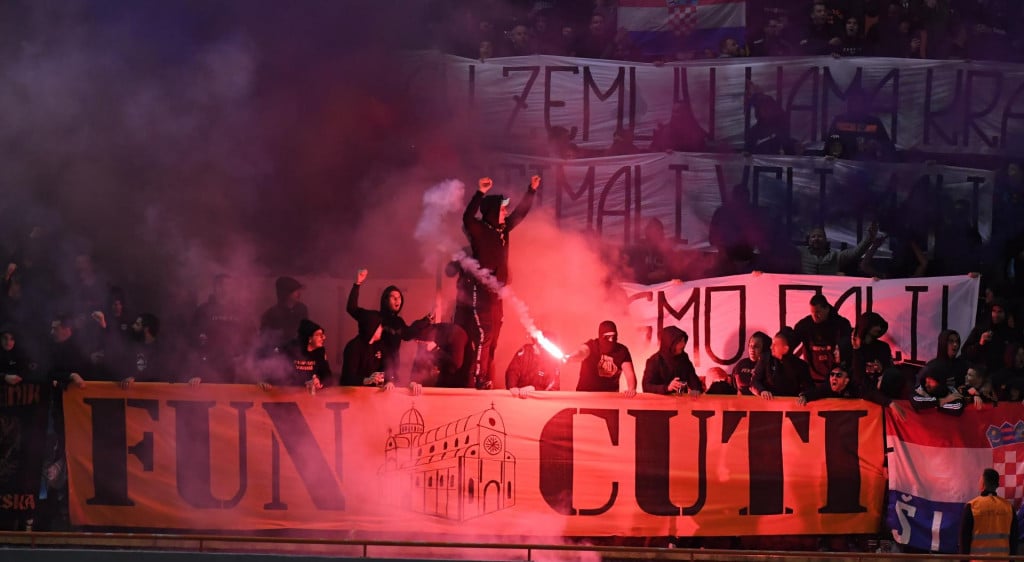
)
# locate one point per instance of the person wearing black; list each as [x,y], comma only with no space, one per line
[933,392]
[68,362]
[308,356]
[841,385]
[670,371]
[987,342]
[1009,381]
[216,334]
[721,382]
[757,350]
[363,357]
[148,360]
[395,330]
[116,323]
[489,240]
[603,361]
[532,369]
[948,366]
[440,358]
[67,368]
[858,135]
[870,356]
[782,374]
[280,321]
[770,133]
[15,365]
[825,338]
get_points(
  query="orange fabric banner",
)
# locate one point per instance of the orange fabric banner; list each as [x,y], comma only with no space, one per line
[470,463]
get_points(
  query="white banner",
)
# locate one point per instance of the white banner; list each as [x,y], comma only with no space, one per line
[926,105]
[616,196]
[720,314]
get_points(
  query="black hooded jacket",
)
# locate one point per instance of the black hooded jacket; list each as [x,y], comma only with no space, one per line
[395,328]
[951,370]
[281,320]
[360,358]
[663,366]
[16,362]
[488,239]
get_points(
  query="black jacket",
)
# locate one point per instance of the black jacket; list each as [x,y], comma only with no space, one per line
[662,367]
[489,240]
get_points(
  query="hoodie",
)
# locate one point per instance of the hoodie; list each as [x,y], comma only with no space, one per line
[950,370]
[663,366]
[15,361]
[360,358]
[395,328]
[281,320]
[488,239]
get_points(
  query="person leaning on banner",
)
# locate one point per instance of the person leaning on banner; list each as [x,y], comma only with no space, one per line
[670,371]
[988,525]
[781,374]
[933,392]
[840,385]
[603,362]
[532,369]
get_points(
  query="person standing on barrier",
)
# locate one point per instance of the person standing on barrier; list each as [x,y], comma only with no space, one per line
[989,525]
[488,238]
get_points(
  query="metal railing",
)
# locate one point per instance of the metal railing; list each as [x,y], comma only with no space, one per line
[371,549]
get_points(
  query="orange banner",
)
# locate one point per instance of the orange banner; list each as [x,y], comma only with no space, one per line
[470,463]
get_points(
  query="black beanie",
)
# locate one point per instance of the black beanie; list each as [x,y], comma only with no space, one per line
[605,327]
[306,329]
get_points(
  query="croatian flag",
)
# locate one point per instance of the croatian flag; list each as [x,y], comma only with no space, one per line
[935,465]
[664,26]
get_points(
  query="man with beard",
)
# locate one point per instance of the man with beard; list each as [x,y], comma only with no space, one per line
[818,257]
[395,330]
[824,337]
[603,362]
[670,371]
[489,240]
[146,360]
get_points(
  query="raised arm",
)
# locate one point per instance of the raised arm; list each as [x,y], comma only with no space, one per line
[352,307]
[851,255]
[524,205]
[469,220]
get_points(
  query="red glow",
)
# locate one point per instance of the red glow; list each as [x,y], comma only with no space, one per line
[548,345]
